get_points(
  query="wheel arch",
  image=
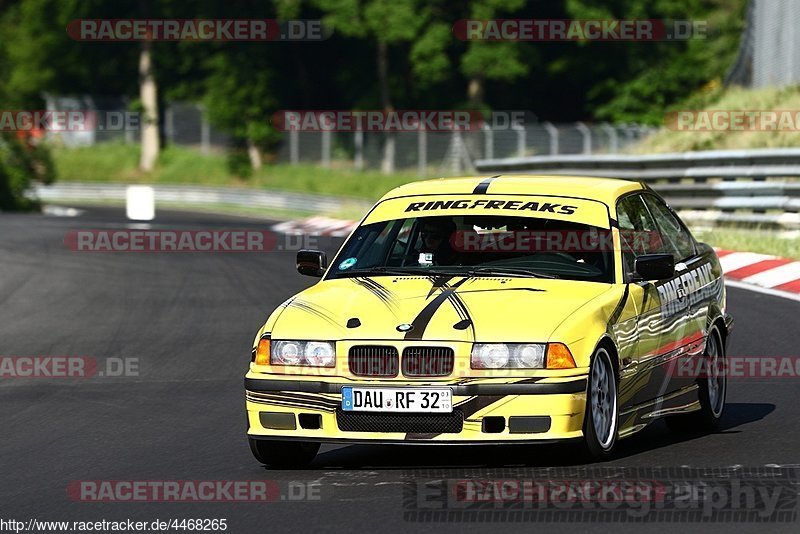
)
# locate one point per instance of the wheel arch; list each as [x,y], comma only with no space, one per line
[722,328]
[607,343]
[718,321]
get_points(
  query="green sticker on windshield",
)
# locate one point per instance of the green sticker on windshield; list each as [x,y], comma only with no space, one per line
[346,264]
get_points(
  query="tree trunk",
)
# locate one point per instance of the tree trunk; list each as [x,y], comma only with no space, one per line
[475,92]
[475,97]
[255,155]
[148,94]
[387,165]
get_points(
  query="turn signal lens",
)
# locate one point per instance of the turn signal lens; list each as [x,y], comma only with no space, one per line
[559,357]
[262,352]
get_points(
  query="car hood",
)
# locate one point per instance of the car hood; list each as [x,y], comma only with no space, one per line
[468,309]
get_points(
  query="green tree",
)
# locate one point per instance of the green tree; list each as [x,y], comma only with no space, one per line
[488,60]
[241,81]
[638,81]
[383,24]
[21,159]
[239,98]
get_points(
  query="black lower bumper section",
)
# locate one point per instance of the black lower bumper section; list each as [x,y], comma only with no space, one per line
[528,424]
[450,423]
[415,442]
[533,386]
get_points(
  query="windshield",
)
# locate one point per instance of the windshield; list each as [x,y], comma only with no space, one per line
[482,245]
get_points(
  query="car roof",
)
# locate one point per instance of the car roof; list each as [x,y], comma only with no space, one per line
[606,190]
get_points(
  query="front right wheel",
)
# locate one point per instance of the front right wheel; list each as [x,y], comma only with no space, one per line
[712,387]
[601,416]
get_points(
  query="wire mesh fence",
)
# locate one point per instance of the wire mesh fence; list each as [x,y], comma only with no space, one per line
[444,152]
[426,152]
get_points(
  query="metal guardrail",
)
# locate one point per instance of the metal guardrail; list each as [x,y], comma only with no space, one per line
[728,186]
[725,186]
[205,196]
[706,164]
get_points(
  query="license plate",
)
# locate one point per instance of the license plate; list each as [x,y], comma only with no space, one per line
[416,400]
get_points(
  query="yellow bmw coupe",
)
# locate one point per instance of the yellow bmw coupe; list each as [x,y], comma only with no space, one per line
[508,309]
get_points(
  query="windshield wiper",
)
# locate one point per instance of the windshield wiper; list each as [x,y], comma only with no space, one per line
[396,270]
[499,270]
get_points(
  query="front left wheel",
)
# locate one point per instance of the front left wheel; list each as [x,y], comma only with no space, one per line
[601,416]
[284,454]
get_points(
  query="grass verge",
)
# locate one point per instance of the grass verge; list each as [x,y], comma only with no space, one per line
[728,99]
[118,163]
[774,242]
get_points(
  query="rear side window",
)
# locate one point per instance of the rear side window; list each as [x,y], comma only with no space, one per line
[671,229]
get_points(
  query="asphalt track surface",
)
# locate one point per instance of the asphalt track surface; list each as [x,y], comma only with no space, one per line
[190,318]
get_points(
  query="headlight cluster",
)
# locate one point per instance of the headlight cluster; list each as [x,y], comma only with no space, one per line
[311,353]
[521,356]
[508,356]
[484,355]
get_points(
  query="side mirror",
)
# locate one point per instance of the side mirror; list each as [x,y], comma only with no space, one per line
[312,262]
[655,266]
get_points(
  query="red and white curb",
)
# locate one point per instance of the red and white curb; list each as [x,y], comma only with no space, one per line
[325,226]
[760,272]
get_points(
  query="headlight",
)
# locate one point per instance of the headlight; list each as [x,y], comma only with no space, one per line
[529,356]
[508,356]
[490,356]
[320,354]
[313,353]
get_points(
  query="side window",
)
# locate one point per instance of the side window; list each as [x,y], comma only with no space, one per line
[638,232]
[674,233]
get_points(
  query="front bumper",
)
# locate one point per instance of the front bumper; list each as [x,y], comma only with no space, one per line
[534,409]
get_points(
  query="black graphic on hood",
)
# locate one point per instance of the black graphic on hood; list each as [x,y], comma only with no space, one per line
[459,305]
[383,294]
[437,282]
[421,321]
[314,310]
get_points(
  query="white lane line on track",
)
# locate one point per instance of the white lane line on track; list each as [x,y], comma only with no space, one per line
[775,276]
[763,290]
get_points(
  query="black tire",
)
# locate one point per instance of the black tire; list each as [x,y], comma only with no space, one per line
[284,454]
[712,399]
[601,415]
